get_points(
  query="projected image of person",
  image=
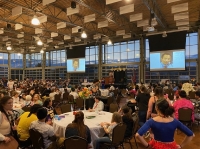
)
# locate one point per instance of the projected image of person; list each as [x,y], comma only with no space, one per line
[166,60]
[75,64]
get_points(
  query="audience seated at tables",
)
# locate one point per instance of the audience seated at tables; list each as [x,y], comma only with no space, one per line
[15,97]
[24,123]
[183,102]
[78,128]
[74,93]
[98,105]
[45,129]
[163,127]
[142,100]
[108,128]
[7,118]
[36,99]
[128,120]
[48,105]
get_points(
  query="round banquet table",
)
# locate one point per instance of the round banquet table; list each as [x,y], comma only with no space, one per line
[96,130]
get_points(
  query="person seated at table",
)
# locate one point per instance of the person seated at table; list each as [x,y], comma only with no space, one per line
[28,101]
[128,120]
[74,93]
[15,97]
[48,105]
[78,128]
[98,105]
[24,122]
[95,87]
[3,93]
[108,128]
[45,129]
[52,94]
[163,127]
[36,99]
[183,102]
[7,118]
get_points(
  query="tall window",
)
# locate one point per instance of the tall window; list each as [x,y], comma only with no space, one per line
[91,55]
[192,46]
[16,60]
[3,58]
[122,52]
[33,60]
[57,58]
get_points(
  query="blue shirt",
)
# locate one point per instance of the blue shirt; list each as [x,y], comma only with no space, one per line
[164,132]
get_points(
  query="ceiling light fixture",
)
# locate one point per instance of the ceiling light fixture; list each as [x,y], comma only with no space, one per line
[109,42]
[35,20]
[39,43]
[164,34]
[41,51]
[84,35]
[9,48]
[18,54]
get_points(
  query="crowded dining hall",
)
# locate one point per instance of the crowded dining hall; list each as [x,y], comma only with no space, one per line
[99,74]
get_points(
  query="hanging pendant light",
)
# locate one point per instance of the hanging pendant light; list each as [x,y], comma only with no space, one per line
[35,20]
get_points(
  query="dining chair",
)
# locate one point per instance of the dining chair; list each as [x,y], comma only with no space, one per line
[113,107]
[134,130]
[79,103]
[185,116]
[75,142]
[65,108]
[107,105]
[117,137]
[57,97]
[36,139]
[192,95]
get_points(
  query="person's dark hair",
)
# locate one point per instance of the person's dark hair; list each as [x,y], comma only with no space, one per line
[73,89]
[159,92]
[197,93]
[34,109]
[164,107]
[182,94]
[46,102]
[143,89]
[96,80]
[166,54]
[3,101]
[126,111]
[42,113]
[79,124]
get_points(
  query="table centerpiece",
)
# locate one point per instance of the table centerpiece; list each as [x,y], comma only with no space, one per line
[85,93]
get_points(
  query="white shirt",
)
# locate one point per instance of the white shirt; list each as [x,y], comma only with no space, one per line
[74,94]
[10,84]
[15,100]
[98,106]
[51,95]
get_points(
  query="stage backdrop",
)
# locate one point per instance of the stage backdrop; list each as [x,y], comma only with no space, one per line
[120,76]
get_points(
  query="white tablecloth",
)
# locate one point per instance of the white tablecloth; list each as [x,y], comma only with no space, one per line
[86,83]
[95,129]
[104,92]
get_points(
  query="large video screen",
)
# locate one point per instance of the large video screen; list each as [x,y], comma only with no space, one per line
[167,60]
[76,65]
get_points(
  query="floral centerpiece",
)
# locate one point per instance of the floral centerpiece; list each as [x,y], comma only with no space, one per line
[85,93]
[187,87]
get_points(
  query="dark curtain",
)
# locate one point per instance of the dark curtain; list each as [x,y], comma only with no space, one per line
[120,76]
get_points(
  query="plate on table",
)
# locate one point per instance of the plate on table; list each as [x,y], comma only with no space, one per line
[90,117]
